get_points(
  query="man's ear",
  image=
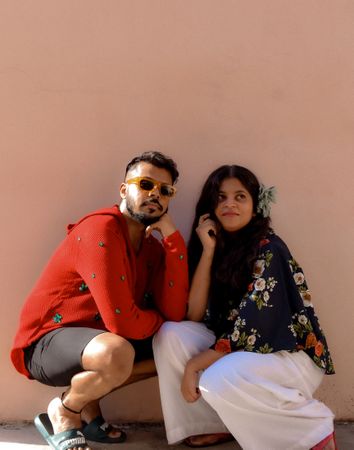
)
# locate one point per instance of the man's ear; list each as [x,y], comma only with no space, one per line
[123,190]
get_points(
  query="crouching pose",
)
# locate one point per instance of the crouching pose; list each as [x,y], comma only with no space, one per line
[89,321]
[246,364]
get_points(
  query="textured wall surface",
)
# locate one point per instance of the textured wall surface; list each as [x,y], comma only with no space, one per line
[86,85]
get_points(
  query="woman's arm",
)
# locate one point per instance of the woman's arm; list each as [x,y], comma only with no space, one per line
[199,290]
[189,385]
[198,294]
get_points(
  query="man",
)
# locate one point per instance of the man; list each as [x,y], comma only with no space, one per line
[104,293]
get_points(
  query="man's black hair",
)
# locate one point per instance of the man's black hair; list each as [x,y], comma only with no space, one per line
[157,159]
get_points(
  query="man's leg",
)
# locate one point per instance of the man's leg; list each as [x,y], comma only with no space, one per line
[142,370]
[107,362]
[57,357]
[144,364]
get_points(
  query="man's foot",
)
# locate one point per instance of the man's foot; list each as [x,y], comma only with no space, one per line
[63,420]
[96,429]
[206,440]
[61,428]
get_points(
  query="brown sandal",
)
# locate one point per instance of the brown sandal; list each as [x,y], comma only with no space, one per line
[210,439]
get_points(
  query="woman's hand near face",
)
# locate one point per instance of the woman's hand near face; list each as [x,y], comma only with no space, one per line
[206,232]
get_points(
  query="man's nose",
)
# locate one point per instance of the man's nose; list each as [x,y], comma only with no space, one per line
[155,191]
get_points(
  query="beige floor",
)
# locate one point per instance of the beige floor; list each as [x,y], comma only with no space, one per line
[23,436]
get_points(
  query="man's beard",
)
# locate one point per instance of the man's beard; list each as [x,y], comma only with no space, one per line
[141,217]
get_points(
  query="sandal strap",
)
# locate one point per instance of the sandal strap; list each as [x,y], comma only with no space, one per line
[106,427]
[69,439]
[67,407]
[98,430]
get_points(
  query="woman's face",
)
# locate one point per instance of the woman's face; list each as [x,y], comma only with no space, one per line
[235,205]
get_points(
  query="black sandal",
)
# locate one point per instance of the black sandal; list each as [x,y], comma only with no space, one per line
[98,431]
[65,440]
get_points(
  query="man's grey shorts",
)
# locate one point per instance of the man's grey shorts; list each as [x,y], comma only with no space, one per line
[56,357]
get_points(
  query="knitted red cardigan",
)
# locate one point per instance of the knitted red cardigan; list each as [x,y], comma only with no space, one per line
[95,279]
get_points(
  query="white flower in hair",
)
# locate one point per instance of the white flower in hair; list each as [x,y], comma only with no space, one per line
[265,197]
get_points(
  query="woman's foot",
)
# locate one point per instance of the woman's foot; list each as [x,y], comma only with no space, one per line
[206,440]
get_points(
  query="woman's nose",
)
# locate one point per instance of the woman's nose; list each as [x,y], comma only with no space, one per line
[230,202]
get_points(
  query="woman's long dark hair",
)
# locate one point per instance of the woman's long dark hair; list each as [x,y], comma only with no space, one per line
[235,252]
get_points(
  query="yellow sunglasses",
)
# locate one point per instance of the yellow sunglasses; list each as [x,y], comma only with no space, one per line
[148,184]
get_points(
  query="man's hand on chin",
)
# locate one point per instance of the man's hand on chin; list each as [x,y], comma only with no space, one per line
[164,226]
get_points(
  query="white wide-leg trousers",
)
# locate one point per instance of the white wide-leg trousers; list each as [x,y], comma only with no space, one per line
[264,400]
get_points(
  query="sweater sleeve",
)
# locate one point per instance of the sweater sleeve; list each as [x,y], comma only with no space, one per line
[170,284]
[103,263]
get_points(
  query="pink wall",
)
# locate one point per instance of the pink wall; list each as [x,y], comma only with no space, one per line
[86,85]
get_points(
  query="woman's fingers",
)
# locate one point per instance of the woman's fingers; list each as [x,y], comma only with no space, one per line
[206,227]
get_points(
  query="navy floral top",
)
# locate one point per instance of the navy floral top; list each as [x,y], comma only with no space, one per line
[275,314]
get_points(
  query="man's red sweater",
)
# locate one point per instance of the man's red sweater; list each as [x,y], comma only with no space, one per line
[95,279]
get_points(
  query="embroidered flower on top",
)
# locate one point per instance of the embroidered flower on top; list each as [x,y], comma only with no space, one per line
[260,284]
[261,292]
[265,197]
[299,278]
[302,319]
[259,267]
[223,346]
[233,314]
[306,298]
[57,318]
[235,335]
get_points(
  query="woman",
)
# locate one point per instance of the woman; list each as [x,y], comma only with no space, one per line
[247,362]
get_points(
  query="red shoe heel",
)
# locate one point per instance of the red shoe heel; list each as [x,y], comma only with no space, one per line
[321,445]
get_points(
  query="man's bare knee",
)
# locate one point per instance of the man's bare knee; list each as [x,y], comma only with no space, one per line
[110,354]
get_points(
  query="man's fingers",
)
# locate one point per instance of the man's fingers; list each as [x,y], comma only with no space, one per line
[148,231]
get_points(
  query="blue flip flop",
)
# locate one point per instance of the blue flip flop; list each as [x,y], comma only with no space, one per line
[61,441]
